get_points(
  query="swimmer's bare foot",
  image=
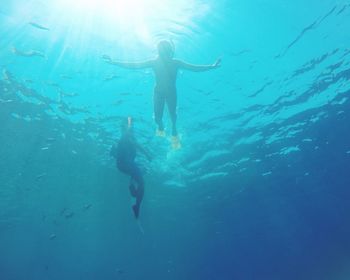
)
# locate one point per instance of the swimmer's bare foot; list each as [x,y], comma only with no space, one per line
[160,133]
[175,142]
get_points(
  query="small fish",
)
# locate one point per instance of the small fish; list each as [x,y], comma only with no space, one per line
[87,206]
[117,103]
[208,92]
[66,94]
[119,271]
[66,77]
[111,77]
[240,52]
[40,176]
[44,148]
[69,215]
[5,101]
[30,53]
[63,211]
[38,26]
[266,173]
[53,84]
[74,152]
[106,57]
[50,140]
[52,236]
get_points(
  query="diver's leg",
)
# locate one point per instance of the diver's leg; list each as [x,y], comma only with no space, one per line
[132,188]
[137,177]
[172,103]
[127,168]
[171,100]
[158,102]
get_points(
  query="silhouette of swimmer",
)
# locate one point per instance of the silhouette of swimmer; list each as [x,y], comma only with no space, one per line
[125,151]
[165,68]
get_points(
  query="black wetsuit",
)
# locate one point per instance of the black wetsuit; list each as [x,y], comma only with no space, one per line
[125,153]
[165,91]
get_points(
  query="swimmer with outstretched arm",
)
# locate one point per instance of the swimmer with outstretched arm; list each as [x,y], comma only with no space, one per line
[165,69]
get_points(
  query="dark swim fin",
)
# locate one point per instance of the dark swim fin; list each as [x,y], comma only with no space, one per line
[136,210]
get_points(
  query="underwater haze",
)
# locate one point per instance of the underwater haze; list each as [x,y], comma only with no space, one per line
[259,189]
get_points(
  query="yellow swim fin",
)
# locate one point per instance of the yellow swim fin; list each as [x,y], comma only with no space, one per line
[160,133]
[175,142]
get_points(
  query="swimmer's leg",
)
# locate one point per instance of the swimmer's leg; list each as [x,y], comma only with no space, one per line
[171,101]
[137,177]
[139,197]
[129,168]
[132,188]
[158,102]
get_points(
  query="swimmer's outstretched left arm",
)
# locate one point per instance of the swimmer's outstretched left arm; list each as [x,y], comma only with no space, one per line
[198,68]
[130,65]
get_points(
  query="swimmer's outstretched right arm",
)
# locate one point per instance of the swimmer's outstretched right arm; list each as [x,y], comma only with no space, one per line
[198,68]
[130,65]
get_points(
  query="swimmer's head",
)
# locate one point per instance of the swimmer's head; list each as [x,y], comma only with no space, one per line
[129,122]
[166,49]
[127,125]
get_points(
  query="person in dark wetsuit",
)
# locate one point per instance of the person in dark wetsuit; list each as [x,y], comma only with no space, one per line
[125,151]
[165,68]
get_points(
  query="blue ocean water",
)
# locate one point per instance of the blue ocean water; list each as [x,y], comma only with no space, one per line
[259,189]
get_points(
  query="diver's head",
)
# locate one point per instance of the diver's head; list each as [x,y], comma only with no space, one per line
[166,49]
[126,126]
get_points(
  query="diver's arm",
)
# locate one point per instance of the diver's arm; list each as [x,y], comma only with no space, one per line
[198,68]
[130,65]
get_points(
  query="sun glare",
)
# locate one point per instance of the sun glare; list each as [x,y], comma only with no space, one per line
[133,17]
[79,24]
[125,11]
